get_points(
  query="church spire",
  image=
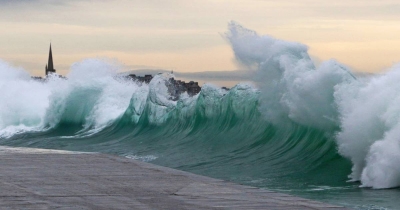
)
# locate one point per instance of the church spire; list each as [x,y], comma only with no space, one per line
[50,63]
[50,66]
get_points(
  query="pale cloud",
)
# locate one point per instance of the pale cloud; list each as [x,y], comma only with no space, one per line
[186,35]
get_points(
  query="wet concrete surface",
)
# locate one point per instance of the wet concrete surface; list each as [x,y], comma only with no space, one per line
[51,179]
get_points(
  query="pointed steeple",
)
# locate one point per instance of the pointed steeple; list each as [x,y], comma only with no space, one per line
[50,63]
[50,66]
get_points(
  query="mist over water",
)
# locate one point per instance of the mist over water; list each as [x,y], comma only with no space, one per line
[301,129]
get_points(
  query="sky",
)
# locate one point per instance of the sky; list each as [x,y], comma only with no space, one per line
[188,35]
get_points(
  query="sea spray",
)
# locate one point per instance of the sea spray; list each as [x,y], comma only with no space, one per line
[283,135]
[23,102]
[291,87]
[328,97]
[370,124]
[91,96]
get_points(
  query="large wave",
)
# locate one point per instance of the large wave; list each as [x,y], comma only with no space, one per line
[292,122]
[365,109]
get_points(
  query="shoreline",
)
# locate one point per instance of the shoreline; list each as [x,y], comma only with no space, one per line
[48,179]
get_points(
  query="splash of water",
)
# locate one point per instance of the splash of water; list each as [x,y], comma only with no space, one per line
[328,97]
[296,99]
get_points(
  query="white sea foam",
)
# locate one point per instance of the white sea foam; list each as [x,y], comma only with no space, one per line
[366,109]
[370,134]
[145,158]
[159,102]
[364,113]
[291,87]
[91,96]
[23,102]
[94,97]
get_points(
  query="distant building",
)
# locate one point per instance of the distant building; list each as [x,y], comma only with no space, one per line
[48,70]
[146,79]
[175,87]
[50,67]
[39,79]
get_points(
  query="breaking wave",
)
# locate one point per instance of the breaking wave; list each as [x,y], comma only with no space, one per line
[298,122]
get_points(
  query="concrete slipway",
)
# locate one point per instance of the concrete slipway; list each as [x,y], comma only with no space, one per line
[50,179]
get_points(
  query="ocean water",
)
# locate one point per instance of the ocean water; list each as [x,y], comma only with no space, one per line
[317,132]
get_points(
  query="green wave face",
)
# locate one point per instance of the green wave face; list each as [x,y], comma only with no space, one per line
[217,133]
[304,130]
